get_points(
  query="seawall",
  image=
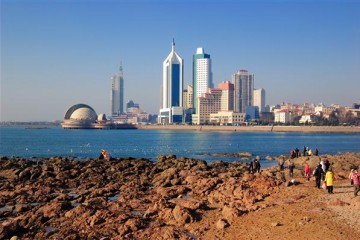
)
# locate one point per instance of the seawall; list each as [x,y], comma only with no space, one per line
[310,129]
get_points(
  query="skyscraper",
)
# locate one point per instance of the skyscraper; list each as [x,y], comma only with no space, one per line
[243,90]
[259,99]
[172,88]
[202,75]
[227,96]
[117,93]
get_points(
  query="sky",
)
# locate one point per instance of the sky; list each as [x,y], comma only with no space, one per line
[55,54]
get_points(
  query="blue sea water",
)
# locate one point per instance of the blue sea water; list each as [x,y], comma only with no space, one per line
[84,144]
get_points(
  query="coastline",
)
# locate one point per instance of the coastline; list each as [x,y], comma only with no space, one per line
[305,129]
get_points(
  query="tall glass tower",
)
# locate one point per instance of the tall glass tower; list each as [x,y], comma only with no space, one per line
[202,75]
[172,110]
[243,90]
[117,93]
[173,80]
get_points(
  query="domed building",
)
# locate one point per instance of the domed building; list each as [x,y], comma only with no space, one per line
[81,116]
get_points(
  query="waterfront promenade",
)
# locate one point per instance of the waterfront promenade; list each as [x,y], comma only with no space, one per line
[310,129]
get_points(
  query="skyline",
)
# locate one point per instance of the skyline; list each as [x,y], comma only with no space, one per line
[60,53]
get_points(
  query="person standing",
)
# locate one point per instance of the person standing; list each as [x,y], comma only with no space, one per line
[351,177]
[356,179]
[281,163]
[329,179]
[291,169]
[304,151]
[316,152]
[307,171]
[317,174]
[323,168]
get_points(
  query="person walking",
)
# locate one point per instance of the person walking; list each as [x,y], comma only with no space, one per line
[317,174]
[307,171]
[356,179]
[329,179]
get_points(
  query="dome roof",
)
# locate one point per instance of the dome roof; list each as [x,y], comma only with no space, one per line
[101,117]
[81,112]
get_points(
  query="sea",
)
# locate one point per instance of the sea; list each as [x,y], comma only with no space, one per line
[84,144]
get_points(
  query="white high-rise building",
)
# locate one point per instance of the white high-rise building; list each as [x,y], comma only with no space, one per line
[259,99]
[243,90]
[202,75]
[172,88]
[117,93]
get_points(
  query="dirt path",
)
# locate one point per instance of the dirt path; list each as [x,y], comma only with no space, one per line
[298,212]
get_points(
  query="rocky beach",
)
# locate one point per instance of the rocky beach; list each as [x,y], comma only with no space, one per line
[172,198]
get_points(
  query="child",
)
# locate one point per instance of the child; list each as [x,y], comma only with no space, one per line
[329,179]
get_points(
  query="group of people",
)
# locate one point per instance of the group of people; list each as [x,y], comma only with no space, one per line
[323,172]
[295,153]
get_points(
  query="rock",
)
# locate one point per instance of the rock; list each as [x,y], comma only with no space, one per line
[171,192]
[182,215]
[189,203]
[221,224]
[230,213]
[22,208]
[275,224]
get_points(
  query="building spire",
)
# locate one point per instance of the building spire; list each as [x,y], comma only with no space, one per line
[121,68]
[173,45]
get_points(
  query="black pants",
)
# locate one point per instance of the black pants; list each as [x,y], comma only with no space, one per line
[330,189]
[317,181]
[356,189]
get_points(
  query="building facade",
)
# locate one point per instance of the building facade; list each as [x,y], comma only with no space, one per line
[209,103]
[227,96]
[172,89]
[259,99]
[202,75]
[243,90]
[283,116]
[228,118]
[188,97]
[117,93]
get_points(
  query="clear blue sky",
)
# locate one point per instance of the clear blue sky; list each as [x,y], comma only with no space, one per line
[55,54]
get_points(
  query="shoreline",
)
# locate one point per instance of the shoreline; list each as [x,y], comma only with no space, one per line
[304,129]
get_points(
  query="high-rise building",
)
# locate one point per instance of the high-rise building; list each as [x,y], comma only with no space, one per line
[243,90]
[227,96]
[117,93]
[202,75]
[259,99]
[188,97]
[172,89]
[209,103]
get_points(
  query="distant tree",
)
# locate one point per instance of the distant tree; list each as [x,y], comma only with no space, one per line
[296,120]
[333,119]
